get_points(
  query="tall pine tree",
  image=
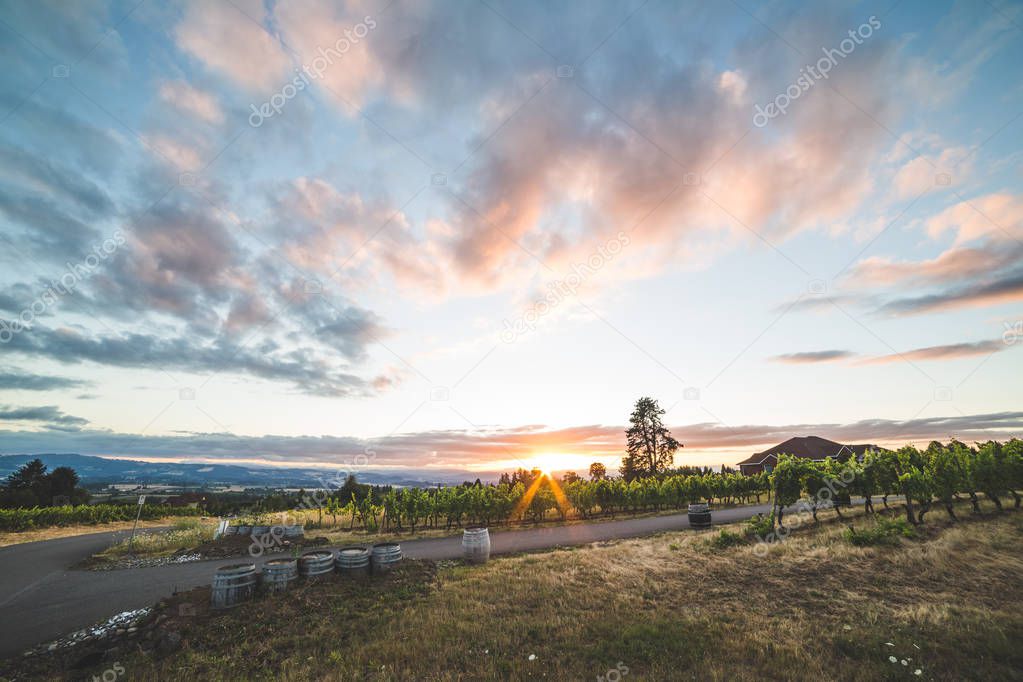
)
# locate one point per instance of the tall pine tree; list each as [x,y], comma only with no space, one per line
[651,449]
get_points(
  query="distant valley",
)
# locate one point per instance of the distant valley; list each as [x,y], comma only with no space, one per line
[100,470]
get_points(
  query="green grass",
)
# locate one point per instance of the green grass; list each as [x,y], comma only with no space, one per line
[185,534]
[726,539]
[884,531]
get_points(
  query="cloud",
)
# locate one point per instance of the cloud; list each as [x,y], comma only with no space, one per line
[494,449]
[65,33]
[811,357]
[920,173]
[180,155]
[952,351]
[309,371]
[601,147]
[76,142]
[613,148]
[191,100]
[46,176]
[318,30]
[955,264]
[46,413]
[54,204]
[980,268]
[332,233]
[194,294]
[230,39]
[1005,289]
[13,380]
[998,216]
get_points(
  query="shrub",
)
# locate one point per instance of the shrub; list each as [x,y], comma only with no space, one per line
[883,532]
[726,539]
[760,526]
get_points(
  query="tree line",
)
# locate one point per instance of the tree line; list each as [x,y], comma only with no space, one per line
[521,496]
[33,486]
[938,476]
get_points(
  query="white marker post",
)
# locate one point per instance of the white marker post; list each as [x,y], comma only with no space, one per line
[131,541]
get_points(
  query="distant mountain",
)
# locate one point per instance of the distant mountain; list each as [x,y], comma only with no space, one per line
[100,470]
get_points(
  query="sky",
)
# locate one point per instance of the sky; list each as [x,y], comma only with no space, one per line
[433,236]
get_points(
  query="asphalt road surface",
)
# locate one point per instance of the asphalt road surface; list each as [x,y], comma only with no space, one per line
[41,599]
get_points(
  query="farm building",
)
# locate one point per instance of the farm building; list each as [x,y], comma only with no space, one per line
[808,447]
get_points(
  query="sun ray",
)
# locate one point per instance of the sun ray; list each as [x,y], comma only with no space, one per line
[523,503]
[559,495]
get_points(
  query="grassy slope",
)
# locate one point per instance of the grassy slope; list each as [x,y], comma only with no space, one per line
[54,532]
[184,534]
[667,607]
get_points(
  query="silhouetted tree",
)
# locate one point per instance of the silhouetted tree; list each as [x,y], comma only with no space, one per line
[651,448]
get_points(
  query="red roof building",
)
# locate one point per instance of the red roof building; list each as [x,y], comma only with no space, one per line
[807,447]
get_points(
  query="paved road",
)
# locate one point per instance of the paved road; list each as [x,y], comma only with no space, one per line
[40,599]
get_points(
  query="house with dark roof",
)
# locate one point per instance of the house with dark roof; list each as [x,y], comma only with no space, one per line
[813,448]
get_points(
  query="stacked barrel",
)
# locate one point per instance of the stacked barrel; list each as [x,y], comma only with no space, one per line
[237,583]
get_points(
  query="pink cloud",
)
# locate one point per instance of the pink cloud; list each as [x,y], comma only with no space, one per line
[953,351]
[228,40]
[191,100]
[998,216]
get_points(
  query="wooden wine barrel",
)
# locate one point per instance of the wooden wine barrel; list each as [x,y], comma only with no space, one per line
[258,531]
[278,574]
[292,532]
[699,516]
[476,545]
[231,530]
[316,564]
[244,529]
[385,556]
[352,561]
[233,585]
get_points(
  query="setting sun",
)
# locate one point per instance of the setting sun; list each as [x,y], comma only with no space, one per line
[549,462]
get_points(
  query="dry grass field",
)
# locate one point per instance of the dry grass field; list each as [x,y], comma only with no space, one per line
[54,532]
[948,602]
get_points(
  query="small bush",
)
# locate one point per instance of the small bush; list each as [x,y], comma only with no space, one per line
[726,539]
[883,532]
[760,526]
